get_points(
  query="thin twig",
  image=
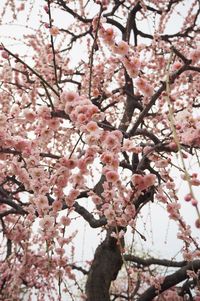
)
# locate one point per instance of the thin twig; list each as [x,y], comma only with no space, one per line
[52,46]
[31,69]
[92,53]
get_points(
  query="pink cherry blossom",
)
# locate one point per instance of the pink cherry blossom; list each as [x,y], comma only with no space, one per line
[68,97]
[47,222]
[195,55]
[122,48]
[54,31]
[143,182]
[144,87]
[112,176]
[99,131]
[65,220]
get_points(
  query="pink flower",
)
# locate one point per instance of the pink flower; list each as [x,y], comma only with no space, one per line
[92,150]
[60,251]
[109,214]
[188,256]
[143,182]
[108,36]
[195,55]
[194,202]
[69,106]
[112,176]
[130,147]
[69,96]
[173,146]
[188,197]
[173,210]
[5,54]
[118,134]
[54,31]
[89,160]
[150,179]
[92,110]
[176,66]
[69,202]
[130,210]
[42,202]
[122,48]
[21,144]
[92,126]
[69,163]
[144,87]
[81,118]
[65,221]
[111,141]
[147,90]
[54,123]
[47,222]
[29,115]
[132,66]
[92,139]
[61,181]
[57,205]
[138,181]
[44,112]
[37,172]
[46,8]
[107,158]
[82,165]
[97,200]
[44,190]
[73,194]
[122,220]
[194,181]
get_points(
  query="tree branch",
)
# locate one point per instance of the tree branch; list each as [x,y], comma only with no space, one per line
[170,281]
[150,261]
[156,95]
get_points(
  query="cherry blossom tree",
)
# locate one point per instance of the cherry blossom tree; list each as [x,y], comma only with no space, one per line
[99,119]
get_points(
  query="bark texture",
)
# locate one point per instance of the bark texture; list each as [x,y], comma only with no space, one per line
[104,269]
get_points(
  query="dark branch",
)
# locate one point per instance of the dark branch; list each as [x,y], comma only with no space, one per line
[171,281]
[155,261]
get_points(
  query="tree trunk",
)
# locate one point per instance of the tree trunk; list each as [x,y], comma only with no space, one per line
[104,269]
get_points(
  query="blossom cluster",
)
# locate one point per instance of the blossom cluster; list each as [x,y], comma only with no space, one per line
[188,128]
[80,109]
[130,60]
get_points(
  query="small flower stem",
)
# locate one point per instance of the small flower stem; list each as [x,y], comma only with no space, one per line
[173,128]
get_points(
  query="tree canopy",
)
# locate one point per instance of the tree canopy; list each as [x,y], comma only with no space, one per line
[99,119]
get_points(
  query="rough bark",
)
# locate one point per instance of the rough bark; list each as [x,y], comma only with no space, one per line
[104,269]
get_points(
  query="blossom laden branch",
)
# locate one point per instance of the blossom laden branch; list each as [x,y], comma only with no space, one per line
[114,149]
[157,94]
[52,44]
[33,71]
[171,280]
